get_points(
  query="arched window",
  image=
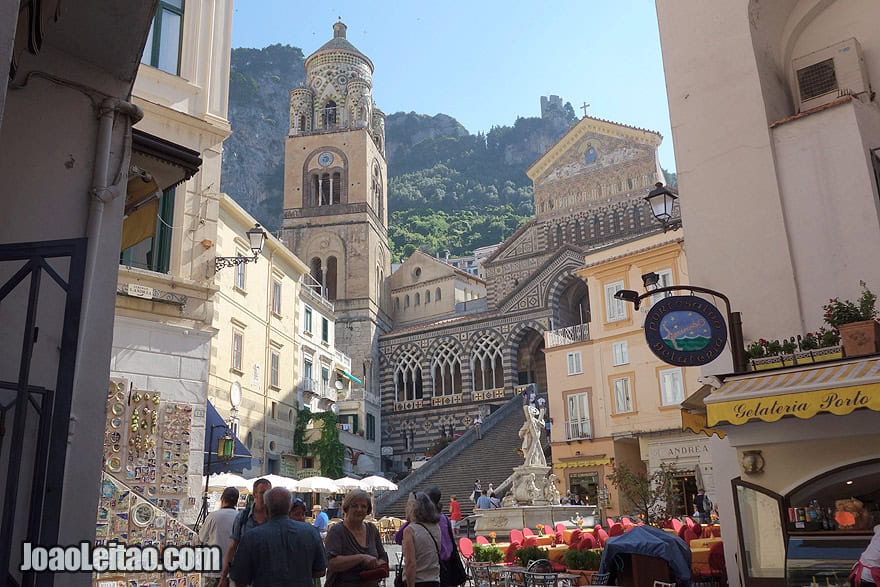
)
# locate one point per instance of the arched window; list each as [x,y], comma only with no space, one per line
[437,295]
[629,182]
[376,191]
[330,114]
[330,279]
[418,299]
[486,363]
[397,304]
[317,274]
[380,278]
[428,296]
[446,370]
[302,122]
[406,301]
[408,376]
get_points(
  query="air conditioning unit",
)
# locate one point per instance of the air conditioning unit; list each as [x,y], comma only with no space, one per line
[828,74]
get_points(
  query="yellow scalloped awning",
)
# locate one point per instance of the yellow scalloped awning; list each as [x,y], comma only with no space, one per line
[697,423]
[583,463]
[801,392]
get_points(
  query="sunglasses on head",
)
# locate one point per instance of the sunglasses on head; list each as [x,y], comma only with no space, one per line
[298,501]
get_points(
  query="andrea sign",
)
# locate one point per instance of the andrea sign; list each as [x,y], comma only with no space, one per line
[685,331]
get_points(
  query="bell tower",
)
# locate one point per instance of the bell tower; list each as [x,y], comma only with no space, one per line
[335,196]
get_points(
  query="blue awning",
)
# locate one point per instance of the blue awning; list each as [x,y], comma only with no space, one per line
[348,375]
[215,428]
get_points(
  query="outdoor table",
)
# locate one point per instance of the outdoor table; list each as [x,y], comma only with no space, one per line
[700,560]
[544,540]
[556,553]
[704,542]
[567,533]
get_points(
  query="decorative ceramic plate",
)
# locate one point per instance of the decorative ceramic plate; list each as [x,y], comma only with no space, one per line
[142,514]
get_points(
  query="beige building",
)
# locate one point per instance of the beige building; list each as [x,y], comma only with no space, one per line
[165,291]
[776,130]
[612,399]
[254,366]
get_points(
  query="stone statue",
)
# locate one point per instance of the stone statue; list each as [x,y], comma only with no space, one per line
[533,452]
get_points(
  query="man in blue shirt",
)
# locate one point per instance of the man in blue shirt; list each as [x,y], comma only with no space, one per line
[281,552]
[321,520]
[483,502]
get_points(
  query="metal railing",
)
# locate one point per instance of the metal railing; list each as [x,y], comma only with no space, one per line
[567,335]
[342,359]
[360,394]
[318,388]
[578,429]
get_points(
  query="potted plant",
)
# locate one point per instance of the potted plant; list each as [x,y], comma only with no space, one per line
[583,562]
[859,331]
[487,554]
[530,553]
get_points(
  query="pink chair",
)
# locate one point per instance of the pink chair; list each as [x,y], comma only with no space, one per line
[602,537]
[609,522]
[615,530]
[560,527]
[482,540]
[689,521]
[527,532]
[689,535]
[676,525]
[516,536]
[587,542]
[626,521]
[530,541]
[466,547]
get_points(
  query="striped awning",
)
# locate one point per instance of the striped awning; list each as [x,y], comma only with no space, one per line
[802,392]
[582,463]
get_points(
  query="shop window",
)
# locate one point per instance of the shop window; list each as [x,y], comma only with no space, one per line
[574,363]
[762,544]
[162,50]
[620,352]
[150,243]
[585,485]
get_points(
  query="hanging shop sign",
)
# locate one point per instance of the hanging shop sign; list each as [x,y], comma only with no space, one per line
[685,331]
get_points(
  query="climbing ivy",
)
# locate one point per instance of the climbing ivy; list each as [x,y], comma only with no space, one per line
[303,415]
[328,448]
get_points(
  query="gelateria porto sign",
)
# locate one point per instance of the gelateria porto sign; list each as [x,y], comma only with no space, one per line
[804,405]
[686,331]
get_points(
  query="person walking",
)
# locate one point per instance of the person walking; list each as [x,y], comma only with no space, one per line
[321,520]
[280,552]
[249,518]
[217,529]
[354,546]
[332,508]
[454,513]
[478,488]
[421,543]
[478,424]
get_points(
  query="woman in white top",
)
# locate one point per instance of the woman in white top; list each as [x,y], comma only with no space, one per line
[421,543]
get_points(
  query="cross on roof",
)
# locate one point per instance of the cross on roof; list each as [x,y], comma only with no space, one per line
[584,108]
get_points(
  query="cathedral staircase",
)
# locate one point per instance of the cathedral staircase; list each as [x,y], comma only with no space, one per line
[454,469]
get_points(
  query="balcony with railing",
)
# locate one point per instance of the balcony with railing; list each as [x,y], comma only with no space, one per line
[319,388]
[359,394]
[567,335]
[578,429]
[342,359]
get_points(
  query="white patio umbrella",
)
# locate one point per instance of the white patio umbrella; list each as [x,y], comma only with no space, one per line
[276,481]
[375,482]
[347,484]
[317,485]
[224,480]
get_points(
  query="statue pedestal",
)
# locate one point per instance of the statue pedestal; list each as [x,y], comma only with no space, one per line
[529,486]
[503,520]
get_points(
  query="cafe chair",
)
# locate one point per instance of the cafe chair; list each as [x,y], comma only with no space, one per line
[600,579]
[540,579]
[663,584]
[482,541]
[466,547]
[481,574]
[516,536]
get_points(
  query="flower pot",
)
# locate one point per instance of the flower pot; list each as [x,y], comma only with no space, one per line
[859,338]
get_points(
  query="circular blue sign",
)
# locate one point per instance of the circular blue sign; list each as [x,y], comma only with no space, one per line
[686,331]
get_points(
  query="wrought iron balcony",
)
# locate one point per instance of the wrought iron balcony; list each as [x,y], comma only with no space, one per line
[578,429]
[567,335]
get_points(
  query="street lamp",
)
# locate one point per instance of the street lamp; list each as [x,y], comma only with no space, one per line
[256,238]
[662,202]
[225,451]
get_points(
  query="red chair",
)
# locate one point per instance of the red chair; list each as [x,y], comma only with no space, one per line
[516,536]
[527,532]
[466,547]
[689,535]
[681,531]
[609,522]
[482,540]
[510,554]
[530,541]
[602,537]
[676,525]
[587,542]
[615,530]
[575,537]
[716,561]
[689,521]
[560,527]
[626,521]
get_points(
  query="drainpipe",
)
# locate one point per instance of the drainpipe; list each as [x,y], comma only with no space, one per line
[103,192]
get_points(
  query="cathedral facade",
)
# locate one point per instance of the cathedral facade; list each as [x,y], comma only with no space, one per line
[441,347]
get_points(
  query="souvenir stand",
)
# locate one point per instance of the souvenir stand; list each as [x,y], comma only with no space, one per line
[146,462]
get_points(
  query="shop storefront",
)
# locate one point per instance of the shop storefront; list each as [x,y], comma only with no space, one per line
[689,454]
[805,475]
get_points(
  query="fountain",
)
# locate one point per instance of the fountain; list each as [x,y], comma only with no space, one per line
[532,497]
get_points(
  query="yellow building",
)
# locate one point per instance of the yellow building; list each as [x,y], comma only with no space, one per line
[611,399]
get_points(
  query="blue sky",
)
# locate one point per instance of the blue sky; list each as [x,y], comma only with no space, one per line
[485,62]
